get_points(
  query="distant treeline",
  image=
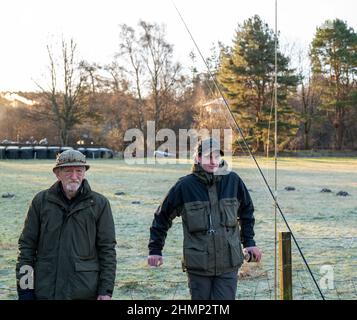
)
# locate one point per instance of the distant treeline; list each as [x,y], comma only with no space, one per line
[86,102]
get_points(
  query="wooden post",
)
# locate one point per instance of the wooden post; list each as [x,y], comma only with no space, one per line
[285,270]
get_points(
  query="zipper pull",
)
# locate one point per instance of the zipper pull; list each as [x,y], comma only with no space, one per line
[211,231]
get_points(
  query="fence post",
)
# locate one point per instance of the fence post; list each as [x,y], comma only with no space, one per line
[285,268]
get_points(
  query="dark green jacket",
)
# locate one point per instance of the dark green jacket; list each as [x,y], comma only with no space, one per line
[70,245]
[211,207]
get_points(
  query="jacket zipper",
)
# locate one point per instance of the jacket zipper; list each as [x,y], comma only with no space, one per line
[212,232]
[60,245]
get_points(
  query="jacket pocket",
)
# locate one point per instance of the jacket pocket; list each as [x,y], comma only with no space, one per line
[85,280]
[195,259]
[196,216]
[84,266]
[43,283]
[236,253]
[229,212]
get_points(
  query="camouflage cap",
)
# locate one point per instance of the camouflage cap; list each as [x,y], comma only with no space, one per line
[208,145]
[71,158]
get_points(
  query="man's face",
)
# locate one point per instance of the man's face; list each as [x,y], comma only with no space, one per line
[210,162]
[71,177]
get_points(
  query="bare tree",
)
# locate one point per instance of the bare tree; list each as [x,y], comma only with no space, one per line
[67,102]
[118,81]
[157,54]
[157,80]
[308,96]
[130,50]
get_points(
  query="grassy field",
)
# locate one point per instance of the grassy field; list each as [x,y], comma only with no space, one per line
[324,224]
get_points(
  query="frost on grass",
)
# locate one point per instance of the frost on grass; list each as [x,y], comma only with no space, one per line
[323,224]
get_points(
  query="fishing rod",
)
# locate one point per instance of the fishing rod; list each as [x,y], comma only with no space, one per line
[276,151]
[238,128]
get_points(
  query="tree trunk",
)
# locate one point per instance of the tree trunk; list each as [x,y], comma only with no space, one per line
[306,135]
[340,133]
[340,128]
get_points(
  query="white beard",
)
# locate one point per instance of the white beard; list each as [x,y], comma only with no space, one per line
[72,187]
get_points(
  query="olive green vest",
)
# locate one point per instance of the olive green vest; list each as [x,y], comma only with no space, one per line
[212,243]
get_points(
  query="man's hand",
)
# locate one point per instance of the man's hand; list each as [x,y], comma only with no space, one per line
[104,298]
[155,261]
[256,254]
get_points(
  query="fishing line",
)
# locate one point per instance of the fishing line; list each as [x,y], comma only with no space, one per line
[238,128]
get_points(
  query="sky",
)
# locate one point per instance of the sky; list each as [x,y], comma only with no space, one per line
[27,26]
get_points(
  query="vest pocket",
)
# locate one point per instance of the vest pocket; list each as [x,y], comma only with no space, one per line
[229,212]
[196,217]
[195,259]
[236,252]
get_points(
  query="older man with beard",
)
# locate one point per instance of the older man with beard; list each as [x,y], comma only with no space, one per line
[67,246]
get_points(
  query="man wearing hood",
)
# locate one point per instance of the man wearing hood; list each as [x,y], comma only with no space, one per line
[217,219]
